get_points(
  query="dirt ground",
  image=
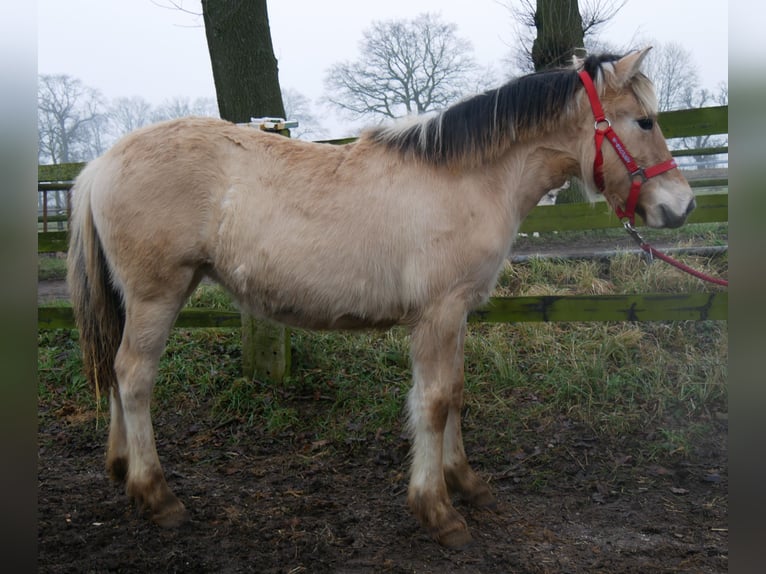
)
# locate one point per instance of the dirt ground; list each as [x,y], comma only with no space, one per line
[568,502]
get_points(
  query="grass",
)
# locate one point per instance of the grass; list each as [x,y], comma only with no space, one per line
[50,267]
[663,381]
[696,235]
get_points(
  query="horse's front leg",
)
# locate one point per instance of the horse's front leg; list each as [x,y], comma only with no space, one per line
[458,474]
[437,366]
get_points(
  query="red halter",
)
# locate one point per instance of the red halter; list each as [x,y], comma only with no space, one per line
[638,175]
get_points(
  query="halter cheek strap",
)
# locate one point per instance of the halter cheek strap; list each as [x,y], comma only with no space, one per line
[638,174]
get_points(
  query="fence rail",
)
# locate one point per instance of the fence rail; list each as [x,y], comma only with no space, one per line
[530,309]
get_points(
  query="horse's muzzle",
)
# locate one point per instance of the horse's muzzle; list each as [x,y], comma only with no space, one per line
[671,220]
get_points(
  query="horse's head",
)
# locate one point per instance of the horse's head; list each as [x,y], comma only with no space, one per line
[626,157]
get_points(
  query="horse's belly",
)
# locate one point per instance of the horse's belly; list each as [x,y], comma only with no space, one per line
[313,318]
[343,322]
[318,305]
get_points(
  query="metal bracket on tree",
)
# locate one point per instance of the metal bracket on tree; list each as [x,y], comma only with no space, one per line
[273,124]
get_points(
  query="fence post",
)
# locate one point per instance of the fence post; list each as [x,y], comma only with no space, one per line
[265,344]
[265,349]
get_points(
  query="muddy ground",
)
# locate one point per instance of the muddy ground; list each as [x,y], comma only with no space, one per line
[567,502]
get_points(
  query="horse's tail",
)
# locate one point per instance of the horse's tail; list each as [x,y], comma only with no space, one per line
[97,304]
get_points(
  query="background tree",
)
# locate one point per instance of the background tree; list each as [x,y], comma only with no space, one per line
[66,113]
[671,68]
[242,57]
[298,107]
[247,85]
[182,106]
[129,114]
[559,33]
[676,82]
[97,136]
[405,67]
[548,32]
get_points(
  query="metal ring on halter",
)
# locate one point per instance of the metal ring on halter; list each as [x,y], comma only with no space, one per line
[639,173]
[604,121]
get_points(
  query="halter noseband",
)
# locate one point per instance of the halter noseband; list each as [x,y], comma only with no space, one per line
[638,175]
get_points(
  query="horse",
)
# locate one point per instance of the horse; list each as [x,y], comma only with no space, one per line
[409,225]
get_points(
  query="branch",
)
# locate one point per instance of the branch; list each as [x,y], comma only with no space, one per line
[174,5]
[594,13]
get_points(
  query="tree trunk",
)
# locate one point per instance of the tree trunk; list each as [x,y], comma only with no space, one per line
[247,85]
[559,33]
[244,67]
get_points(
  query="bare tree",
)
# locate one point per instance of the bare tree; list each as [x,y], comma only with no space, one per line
[675,77]
[298,107]
[129,114]
[68,113]
[561,25]
[405,67]
[700,98]
[181,106]
[98,133]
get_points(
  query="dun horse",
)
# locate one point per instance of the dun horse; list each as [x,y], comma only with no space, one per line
[410,225]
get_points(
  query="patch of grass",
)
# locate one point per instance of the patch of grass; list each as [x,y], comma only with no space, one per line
[208,296]
[623,273]
[51,267]
[62,389]
[196,366]
[612,377]
[694,234]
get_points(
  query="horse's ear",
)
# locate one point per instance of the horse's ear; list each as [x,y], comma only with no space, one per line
[628,66]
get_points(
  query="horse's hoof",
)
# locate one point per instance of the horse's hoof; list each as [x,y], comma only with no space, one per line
[171,516]
[482,499]
[117,469]
[455,539]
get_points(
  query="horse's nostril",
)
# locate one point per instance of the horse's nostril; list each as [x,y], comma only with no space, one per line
[690,207]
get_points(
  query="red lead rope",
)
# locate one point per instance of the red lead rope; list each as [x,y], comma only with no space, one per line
[652,252]
[638,176]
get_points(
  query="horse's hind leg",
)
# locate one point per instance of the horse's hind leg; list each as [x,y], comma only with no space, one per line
[131,438]
[436,365]
[459,476]
[117,450]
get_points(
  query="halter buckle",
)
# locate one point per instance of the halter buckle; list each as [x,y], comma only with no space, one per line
[640,172]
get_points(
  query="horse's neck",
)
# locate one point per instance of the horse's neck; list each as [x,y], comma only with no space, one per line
[541,170]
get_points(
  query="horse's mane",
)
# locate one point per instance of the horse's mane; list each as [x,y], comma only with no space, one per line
[479,127]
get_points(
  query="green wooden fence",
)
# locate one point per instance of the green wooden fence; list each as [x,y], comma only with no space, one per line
[711,207]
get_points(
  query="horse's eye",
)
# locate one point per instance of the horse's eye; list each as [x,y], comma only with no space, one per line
[645,123]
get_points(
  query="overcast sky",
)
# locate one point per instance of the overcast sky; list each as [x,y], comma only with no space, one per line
[138,47]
